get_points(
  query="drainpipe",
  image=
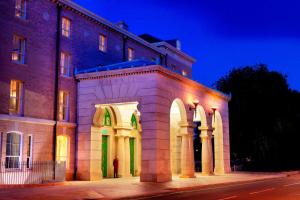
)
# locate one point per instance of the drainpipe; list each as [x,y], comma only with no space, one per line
[124,48]
[76,133]
[57,57]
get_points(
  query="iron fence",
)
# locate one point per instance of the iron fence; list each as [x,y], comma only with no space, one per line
[35,172]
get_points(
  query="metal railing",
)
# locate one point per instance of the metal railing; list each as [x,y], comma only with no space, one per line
[35,172]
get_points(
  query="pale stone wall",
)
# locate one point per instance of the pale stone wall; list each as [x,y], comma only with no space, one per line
[154,88]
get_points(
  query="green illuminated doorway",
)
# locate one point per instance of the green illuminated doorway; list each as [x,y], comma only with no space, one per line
[104,155]
[131,146]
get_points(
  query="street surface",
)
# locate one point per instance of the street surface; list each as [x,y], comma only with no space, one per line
[287,188]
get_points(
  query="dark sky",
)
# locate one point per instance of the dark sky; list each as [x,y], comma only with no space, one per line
[220,34]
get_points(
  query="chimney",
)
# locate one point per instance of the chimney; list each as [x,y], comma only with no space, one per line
[178,44]
[122,25]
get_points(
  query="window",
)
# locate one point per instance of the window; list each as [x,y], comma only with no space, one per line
[102,43]
[65,60]
[16,93]
[18,53]
[20,9]
[133,121]
[107,118]
[63,114]
[29,152]
[66,27]
[130,54]
[13,150]
[184,73]
[62,149]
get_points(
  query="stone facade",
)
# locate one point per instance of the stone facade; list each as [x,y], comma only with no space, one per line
[155,89]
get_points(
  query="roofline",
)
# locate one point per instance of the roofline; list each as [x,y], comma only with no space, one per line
[151,69]
[92,15]
[163,43]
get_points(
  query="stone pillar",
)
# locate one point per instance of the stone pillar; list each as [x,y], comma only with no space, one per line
[207,157]
[121,155]
[187,153]
[127,157]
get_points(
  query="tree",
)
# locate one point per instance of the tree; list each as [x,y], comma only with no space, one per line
[264,115]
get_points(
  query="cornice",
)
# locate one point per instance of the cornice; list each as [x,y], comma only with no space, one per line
[150,70]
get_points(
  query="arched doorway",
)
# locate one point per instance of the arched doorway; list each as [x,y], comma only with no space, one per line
[199,120]
[217,123]
[108,144]
[135,145]
[177,118]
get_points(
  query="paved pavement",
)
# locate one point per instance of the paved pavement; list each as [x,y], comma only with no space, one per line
[128,187]
[287,188]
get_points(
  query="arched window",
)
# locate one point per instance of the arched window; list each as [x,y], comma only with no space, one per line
[133,121]
[13,150]
[107,118]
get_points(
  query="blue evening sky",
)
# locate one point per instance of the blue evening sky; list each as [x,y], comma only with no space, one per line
[220,34]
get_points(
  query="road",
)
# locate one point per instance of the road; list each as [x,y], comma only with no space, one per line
[287,188]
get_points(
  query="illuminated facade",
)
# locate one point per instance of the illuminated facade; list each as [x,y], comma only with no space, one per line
[77,88]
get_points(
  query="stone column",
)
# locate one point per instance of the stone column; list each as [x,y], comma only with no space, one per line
[121,155]
[127,157]
[187,154]
[207,157]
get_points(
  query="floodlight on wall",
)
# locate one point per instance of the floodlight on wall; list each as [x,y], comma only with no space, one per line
[194,106]
[214,112]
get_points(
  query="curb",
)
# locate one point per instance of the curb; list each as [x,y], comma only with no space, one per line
[182,189]
[3,186]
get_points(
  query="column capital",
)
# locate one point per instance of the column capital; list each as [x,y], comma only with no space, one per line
[206,134]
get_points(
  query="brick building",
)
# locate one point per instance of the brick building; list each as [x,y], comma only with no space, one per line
[69,77]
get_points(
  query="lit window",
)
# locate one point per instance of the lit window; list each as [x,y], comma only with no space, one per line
[20,9]
[62,149]
[65,60]
[13,150]
[63,114]
[66,27]
[130,54]
[29,152]
[18,53]
[102,43]
[15,101]
[107,118]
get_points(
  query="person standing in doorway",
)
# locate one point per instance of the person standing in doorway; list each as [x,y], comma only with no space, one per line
[116,166]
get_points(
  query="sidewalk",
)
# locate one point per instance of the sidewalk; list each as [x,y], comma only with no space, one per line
[127,187]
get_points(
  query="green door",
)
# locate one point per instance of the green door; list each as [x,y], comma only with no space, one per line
[131,146]
[104,155]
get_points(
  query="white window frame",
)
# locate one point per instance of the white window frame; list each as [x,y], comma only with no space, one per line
[102,43]
[20,11]
[20,147]
[29,159]
[66,27]
[65,64]
[19,49]
[64,107]
[19,90]
[130,52]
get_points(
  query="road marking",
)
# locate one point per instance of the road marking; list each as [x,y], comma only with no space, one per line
[269,189]
[232,197]
[292,184]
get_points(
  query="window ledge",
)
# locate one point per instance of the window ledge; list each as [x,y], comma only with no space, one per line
[20,64]
[25,20]
[65,123]
[66,77]
[13,118]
